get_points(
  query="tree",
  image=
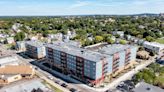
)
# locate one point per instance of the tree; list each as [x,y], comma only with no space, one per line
[98,39]
[123,42]
[45,33]
[19,36]
[149,38]
[87,42]
[110,41]
[106,36]
[138,77]
[117,36]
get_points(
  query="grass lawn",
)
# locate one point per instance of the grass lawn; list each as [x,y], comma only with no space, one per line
[52,87]
[160,41]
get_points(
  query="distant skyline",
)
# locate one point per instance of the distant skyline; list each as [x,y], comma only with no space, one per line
[79,7]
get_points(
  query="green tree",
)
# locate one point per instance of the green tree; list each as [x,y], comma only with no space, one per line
[110,41]
[98,39]
[19,36]
[149,38]
[123,41]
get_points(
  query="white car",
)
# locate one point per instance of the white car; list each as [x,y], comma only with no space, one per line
[50,77]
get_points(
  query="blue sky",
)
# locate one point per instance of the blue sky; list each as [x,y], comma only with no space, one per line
[78,7]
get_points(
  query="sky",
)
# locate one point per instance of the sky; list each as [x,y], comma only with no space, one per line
[79,7]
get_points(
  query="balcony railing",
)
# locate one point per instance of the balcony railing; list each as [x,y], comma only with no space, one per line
[114,70]
[128,53]
[115,62]
[116,67]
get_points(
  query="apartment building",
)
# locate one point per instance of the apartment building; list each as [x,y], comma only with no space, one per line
[90,66]
[35,49]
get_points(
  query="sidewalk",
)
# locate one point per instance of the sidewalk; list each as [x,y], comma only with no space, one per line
[112,85]
[51,82]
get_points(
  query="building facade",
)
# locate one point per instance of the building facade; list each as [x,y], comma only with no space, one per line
[89,66]
[20,46]
[35,49]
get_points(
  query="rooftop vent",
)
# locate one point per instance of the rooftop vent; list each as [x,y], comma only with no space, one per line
[148,88]
[82,52]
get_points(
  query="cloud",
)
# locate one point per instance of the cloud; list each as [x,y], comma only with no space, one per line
[80,4]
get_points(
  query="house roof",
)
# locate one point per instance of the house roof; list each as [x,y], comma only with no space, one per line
[143,53]
[16,69]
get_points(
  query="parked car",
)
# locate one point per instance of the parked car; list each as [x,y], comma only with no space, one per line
[50,77]
[56,81]
[73,90]
[64,85]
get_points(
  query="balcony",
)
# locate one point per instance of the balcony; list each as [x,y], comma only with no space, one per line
[63,58]
[105,72]
[126,63]
[128,53]
[116,66]
[105,64]
[127,60]
[63,62]
[114,70]
[114,63]
[126,57]
[115,59]
[79,64]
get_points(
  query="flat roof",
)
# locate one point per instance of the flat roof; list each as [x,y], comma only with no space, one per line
[25,86]
[35,43]
[69,43]
[145,87]
[16,69]
[93,55]
[8,60]
[155,44]
[76,51]
[112,49]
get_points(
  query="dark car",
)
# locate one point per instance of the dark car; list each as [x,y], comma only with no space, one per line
[57,82]
[64,85]
[73,90]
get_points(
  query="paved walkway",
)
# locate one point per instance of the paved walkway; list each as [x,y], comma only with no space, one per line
[51,82]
